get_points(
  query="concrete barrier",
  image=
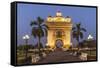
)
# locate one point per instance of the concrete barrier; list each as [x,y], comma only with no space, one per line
[83,56]
[35,58]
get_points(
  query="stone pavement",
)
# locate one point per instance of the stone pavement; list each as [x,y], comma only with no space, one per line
[59,56]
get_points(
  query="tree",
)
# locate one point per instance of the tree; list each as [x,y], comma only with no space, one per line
[77,32]
[39,29]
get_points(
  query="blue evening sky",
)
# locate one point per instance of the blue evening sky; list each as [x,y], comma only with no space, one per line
[28,12]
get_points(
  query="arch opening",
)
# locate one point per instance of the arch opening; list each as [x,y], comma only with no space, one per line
[59,43]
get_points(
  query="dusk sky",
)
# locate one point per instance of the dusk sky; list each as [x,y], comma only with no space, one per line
[28,12]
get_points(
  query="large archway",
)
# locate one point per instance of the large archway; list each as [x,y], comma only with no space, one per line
[59,28]
[59,44]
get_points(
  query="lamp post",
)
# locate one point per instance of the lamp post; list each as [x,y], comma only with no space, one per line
[90,38]
[26,38]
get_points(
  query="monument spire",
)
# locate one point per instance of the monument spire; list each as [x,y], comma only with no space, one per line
[58,14]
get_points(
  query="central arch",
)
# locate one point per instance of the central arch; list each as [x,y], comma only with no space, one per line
[59,43]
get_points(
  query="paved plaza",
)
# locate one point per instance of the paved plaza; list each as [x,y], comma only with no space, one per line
[59,56]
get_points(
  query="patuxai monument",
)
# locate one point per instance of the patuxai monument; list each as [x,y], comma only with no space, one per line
[59,31]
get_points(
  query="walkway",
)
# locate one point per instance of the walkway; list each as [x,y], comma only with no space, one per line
[59,56]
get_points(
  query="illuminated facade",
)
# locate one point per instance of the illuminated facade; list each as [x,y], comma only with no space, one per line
[59,29]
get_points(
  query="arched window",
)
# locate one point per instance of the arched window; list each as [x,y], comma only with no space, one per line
[59,34]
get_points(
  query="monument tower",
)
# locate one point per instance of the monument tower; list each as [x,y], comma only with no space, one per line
[59,30]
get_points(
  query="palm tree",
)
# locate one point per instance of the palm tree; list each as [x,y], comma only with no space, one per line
[77,32]
[39,29]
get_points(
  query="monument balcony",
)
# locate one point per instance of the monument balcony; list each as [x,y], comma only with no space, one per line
[55,24]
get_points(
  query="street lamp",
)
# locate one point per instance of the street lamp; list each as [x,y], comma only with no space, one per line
[90,37]
[26,38]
